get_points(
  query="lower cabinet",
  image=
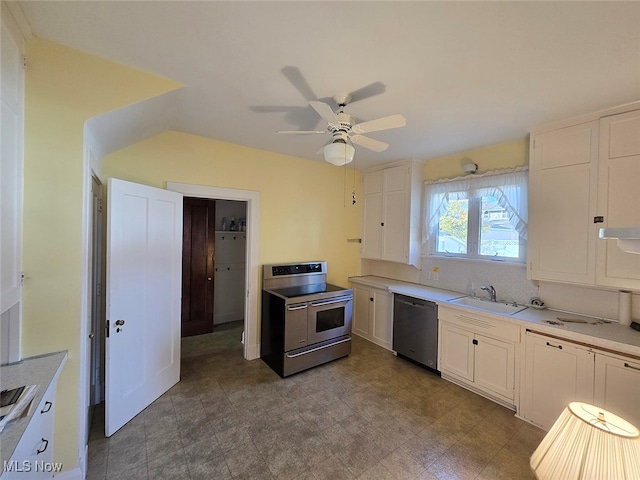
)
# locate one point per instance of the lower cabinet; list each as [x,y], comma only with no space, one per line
[617,386]
[478,352]
[373,315]
[558,372]
[33,456]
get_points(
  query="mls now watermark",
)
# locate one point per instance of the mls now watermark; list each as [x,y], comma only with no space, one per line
[27,466]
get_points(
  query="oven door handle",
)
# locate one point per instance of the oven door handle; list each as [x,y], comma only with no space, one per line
[296,307]
[332,301]
[289,355]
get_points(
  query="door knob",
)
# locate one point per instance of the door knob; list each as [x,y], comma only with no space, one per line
[209,278]
[91,335]
[120,322]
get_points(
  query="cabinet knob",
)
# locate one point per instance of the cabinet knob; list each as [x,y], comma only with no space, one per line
[209,278]
[382,224]
[371,298]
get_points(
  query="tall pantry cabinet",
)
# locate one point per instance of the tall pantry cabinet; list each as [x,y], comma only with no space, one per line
[584,175]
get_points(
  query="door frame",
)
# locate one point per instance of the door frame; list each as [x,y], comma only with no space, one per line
[251,347]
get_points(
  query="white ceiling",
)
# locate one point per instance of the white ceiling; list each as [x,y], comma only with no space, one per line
[464,74]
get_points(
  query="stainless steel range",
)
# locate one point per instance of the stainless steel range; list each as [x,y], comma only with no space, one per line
[305,320]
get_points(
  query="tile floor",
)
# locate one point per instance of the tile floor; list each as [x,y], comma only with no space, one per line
[370,416]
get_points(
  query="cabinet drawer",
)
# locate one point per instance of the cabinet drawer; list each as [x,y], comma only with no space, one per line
[480,323]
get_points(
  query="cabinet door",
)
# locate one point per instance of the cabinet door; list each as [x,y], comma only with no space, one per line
[456,351]
[556,373]
[395,215]
[617,386]
[382,321]
[363,303]
[563,186]
[11,192]
[495,365]
[619,196]
[35,447]
[372,215]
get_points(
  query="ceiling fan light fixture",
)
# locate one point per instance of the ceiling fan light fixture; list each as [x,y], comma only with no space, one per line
[339,153]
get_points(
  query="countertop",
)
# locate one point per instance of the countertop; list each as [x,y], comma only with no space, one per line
[40,370]
[598,333]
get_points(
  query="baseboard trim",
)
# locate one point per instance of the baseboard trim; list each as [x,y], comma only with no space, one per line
[253,351]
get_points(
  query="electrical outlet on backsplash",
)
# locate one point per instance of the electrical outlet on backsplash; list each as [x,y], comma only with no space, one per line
[467,276]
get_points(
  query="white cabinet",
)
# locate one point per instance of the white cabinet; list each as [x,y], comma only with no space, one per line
[391,214]
[478,352]
[556,373]
[456,351]
[373,315]
[562,184]
[11,189]
[619,196]
[33,456]
[584,176]
[617,386]
[27,444]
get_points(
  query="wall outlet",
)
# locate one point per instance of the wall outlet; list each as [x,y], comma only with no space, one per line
[436,273]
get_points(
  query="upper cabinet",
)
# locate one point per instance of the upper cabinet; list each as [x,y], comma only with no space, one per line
[583,177]
[391,213]
[562,189]
[619,196]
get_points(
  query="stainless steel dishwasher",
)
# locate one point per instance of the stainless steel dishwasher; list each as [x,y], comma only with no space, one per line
[415,330]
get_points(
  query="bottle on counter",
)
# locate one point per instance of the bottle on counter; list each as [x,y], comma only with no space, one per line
[224,224]
[232,225]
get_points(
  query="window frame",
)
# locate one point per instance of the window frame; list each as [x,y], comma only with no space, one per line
[473,193]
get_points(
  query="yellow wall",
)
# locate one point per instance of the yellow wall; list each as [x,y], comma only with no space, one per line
[494,157]
[63,89]
[304,214]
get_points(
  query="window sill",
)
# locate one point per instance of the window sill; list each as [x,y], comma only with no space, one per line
[475,260]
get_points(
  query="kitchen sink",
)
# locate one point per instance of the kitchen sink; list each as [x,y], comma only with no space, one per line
[488,306]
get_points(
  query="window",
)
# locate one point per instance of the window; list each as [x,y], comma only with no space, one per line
[481,216]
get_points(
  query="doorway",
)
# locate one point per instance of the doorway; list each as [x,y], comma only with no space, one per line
[251,341]
[213,264]
[96,338]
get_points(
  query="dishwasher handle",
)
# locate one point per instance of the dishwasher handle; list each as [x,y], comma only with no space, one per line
[413,304]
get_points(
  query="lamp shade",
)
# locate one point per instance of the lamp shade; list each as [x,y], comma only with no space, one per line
[339,153]
[587,442]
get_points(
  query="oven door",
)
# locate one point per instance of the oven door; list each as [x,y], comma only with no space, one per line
[329,318]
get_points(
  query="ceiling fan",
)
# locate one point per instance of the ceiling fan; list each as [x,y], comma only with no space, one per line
[344,132]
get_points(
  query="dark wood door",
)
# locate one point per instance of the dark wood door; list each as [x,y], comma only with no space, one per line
[197,266]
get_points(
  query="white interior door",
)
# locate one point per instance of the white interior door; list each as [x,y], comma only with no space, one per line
[144,270]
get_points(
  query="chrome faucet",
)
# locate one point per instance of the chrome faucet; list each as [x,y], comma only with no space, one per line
[490,290]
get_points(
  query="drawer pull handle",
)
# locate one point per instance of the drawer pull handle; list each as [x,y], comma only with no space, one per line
[559,347]
[47,406]
[626,365]
[46,445]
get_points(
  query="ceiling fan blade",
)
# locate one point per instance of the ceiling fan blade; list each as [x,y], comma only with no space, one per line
[300,132]
[294,75]
[325,112]
[369,91]
[370,143]
[384,123]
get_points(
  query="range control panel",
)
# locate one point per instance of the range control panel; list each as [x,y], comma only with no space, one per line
[271,271]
